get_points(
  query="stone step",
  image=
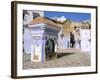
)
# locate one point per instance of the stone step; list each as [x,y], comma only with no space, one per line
[68,50]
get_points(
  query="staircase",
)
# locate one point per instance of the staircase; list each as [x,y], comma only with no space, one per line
[68,50]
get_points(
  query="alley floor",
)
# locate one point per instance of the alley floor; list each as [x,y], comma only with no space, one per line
[65,58]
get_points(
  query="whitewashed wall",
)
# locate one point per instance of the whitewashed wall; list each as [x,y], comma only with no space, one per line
[85,36]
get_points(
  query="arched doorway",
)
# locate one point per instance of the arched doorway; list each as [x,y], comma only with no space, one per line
[49,48]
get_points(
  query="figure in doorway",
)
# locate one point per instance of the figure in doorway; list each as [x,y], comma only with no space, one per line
[72,40]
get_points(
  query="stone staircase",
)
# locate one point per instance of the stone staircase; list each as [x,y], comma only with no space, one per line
[68,50]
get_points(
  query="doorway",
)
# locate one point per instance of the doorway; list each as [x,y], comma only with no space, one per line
[49,49]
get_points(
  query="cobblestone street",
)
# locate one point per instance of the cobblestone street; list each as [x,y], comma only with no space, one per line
[65,58]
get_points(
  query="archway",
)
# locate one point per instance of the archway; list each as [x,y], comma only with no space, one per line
[49,48]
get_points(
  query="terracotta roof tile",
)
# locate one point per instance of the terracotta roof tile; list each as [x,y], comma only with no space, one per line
[44,20]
